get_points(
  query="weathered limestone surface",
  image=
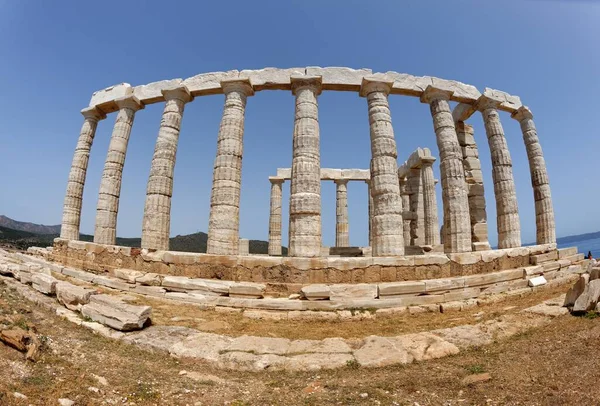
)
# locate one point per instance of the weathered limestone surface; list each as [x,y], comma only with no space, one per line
[74,196]
[406,214]
[342,238]
[224,220]
[105,99]
[305,193]
[430,222]
[507,209]
[116,314]
[110,185]
[154,92]
[457,228]
[209,83]
[416,205]
[44,283]
[474,179]
[275,217]
[157,211]
[386,227]
[72,296]
[331,174]
[544,213]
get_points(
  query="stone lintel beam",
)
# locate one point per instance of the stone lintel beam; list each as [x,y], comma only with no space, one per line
[332,174]
[463,111]
[414,161]
[105,99]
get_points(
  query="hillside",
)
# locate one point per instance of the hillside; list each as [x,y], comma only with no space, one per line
[29,227]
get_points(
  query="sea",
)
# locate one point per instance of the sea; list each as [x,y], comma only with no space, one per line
[584,245]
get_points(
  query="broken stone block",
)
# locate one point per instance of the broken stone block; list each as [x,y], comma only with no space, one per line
[247,290]
[316,292]
[44,283]
[576,290]
[537,281]
[149,279]
[589,298]
[112,312]
[128,275]
[71,296]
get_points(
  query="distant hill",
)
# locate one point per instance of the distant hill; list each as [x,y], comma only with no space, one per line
[24,238]
[29,227]
[579,237]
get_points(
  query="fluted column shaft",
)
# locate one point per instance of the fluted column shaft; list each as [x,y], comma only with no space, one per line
[431,224]
[457,227]
[224,218]
[387,204]
[544,212]
[156,225]
[417,223]
[507,209]
[305,193]
[110,186]
[342,238]
[275,218]
[370,212]
[406,213]
[71,219]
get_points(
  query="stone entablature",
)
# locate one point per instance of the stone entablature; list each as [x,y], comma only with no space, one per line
[465,227]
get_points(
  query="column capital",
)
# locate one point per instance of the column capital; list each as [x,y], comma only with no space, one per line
[341,181]
[484,102]
[315,83]
[427,161]
[129,102]
[372,84]
[241,85]
[432,93]
[522,113]
[179,92]
[93,113]
[276,180]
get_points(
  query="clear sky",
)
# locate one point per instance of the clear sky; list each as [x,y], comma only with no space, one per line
[55,54]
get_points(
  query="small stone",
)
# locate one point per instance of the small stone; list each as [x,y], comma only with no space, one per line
[101,380]
[65,402]
[93,389]
[19,395]
[184,372]
[294,296]
[476,378]
[364,395]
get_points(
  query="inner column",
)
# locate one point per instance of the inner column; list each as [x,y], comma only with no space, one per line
[341,213]
[305,185]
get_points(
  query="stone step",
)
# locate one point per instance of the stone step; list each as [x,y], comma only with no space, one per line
[541,258]
[566,252]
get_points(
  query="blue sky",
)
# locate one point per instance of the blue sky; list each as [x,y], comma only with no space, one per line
[56,54]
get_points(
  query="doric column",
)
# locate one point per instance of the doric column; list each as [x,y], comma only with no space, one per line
[474,179]
[71,219]
[417,223]
[387,204]
[342,238]
[110,186]
[457,227]
[406,213]
[224,219]
[156,225]
[370,212]
[544,213]
[275,217]
[305,194]
[431,224]
[507,210]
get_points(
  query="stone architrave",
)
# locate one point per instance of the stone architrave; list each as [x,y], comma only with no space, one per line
[417,223]
[71,219]
[224,219]
[157,211]
[457,227]
[275,217]
[431,224]
[110,186]
[474,178]
[544,213]
[305,185]
[406,214]
[342,238]
[507,209]
[387,233]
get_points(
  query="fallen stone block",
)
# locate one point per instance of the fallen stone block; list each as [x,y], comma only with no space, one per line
[353,291]
[116,314]
[316,292]
[111,283]
[576,290]
[247,290]
[537,281]
[150,290]
[149,279]
[129,275]
[588,299]
[44,283]
[71,296]
[77,274]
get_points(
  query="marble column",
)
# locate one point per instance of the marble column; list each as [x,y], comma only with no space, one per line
[387,205]
[224,218]
[474,179]
[110,186]
[370,213]
[275,217]
[305,185]
[342,238]
[507,209]
[156,225]
[431,224]
[544,213]
[457,227]
[417,223]
[71,219]
[406,213]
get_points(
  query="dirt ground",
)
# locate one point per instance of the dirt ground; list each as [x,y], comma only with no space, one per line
[553,365]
